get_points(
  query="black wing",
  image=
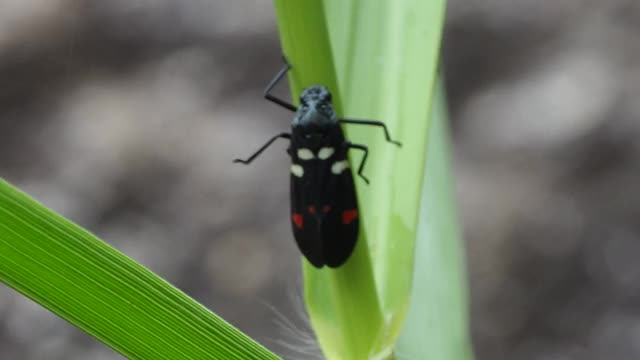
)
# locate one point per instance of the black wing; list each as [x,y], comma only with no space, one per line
[324,209]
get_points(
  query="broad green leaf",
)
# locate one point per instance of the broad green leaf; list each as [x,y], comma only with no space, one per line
[379,58]
[93,286]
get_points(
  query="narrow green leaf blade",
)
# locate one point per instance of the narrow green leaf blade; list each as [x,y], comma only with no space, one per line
[387,55]
[93,286]
[437,325]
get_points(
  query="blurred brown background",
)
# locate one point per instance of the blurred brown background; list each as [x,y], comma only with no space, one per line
[125,116]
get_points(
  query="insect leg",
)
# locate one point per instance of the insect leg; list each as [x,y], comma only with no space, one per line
[263,148]
[274,82]
[373,123]
[364,159]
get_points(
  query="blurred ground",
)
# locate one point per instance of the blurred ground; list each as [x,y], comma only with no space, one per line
[124,116]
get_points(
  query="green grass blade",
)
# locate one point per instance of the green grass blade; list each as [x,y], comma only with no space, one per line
[385,55]
[93,286]
[437,325]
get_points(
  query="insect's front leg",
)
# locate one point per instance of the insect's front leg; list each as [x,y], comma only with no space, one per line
[263,148]
[364,158]
[267,91]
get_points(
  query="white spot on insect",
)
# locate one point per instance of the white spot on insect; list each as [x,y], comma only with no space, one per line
[297,170]
[305,154]
[325,153]
[339,166]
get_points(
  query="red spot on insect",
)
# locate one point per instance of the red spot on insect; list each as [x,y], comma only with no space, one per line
[326,208]
[297,219]
[349,215]
[312,209]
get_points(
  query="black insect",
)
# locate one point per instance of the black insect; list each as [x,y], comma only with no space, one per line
[324,206]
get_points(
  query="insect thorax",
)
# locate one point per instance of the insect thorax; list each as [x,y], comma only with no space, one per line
[316,109]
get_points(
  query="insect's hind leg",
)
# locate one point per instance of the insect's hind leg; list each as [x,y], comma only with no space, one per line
[267,91]
[363,161]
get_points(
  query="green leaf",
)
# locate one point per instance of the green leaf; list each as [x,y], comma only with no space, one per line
[88,283]
[437,325]
[387,68]
[379,59]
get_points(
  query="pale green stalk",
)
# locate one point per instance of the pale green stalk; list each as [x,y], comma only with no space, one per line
[380,60]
